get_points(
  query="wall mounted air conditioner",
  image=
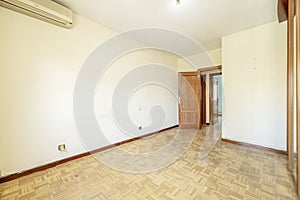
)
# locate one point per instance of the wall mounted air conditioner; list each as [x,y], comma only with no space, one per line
[45,10]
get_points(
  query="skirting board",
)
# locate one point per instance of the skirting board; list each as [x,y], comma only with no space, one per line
[59,162]
[255,146]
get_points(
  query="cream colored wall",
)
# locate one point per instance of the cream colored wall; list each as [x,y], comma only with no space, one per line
[254,81]
[141,102]
[216,56]
[210,59]
[39,65]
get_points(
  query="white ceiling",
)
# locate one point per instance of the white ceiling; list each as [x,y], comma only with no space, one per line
[204,20]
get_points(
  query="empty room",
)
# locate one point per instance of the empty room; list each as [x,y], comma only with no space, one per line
[161,99]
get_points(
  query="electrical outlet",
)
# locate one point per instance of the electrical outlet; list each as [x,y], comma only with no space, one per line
[62,147]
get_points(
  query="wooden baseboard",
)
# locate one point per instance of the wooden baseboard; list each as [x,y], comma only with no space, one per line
[255,146]
[59,162]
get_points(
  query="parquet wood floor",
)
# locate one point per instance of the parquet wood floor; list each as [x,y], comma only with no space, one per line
[205,171]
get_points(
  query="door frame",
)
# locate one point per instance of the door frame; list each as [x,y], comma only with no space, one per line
[292,7]
[207,71]
[211,90]
[297,3]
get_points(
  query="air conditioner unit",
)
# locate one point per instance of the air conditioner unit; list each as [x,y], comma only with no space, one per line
[45,10]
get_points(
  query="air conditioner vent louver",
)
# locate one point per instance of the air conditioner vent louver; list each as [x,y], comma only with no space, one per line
[45,10]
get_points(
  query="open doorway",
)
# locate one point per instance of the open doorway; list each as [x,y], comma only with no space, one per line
[211,95]
[200,97]
[215,92]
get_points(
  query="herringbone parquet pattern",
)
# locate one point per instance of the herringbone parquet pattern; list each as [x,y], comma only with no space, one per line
[226,172]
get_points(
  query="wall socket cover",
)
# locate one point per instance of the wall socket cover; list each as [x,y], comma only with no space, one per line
[61,147]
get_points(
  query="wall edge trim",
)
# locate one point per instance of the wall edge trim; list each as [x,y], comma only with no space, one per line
[65,160]
[254,146]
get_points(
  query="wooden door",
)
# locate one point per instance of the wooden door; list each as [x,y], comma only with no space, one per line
[213,93]
[188,102]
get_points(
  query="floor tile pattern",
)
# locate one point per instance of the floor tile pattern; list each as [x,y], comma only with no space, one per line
[209,169]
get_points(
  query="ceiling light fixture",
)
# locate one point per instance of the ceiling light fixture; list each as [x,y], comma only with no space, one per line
[177,2]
